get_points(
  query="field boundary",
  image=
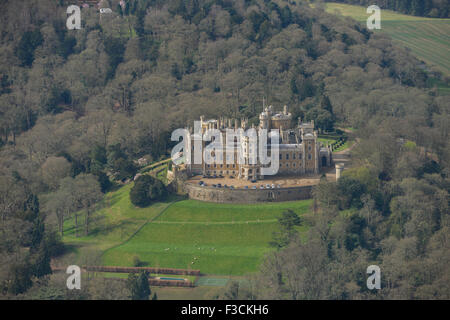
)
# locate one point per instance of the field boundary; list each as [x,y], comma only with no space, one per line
[138,229]
[218,222]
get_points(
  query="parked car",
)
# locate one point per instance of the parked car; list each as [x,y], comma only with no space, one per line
[278,186]
[219,185]
[267,186]
[214,185]
[253,181]
[273,186]
[246,187]
[231,187]
[254,187]
[261,187]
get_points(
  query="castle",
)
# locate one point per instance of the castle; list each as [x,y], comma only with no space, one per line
[300,152]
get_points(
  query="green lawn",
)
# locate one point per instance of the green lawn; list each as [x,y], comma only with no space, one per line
[328,138]
[222,239]
[428,39]
[117,221]
[332,138]
[204,212]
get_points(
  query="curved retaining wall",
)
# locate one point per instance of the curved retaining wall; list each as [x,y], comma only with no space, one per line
[223,195]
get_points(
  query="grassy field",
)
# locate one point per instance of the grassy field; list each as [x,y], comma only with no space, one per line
[428,39]
[221,239]
[116,222]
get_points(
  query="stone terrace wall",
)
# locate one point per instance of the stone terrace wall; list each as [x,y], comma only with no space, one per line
[223,195]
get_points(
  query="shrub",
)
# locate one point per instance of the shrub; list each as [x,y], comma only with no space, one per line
[147,189]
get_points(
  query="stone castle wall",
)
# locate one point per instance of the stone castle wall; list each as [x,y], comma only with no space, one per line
[223,195]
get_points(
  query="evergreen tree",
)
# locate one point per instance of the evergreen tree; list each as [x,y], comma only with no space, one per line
[27,45]
[139,286]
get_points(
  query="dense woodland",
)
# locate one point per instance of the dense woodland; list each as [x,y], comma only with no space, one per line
[422,8]
[78,107]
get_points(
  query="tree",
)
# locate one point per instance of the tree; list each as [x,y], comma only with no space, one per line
[139,286]
[55,169]
[20,279]
[147,189]
[41,261]
[119,163]
[350,191]
[287,222]
[89,193]
[28,43]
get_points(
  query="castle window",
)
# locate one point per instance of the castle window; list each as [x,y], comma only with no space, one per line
[287,156]
[287,165]
[309,147]
[215,165]
[293,164]
[281,156]
[293,156]
[309,157]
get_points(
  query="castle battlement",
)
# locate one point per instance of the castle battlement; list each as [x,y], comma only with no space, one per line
[300,152]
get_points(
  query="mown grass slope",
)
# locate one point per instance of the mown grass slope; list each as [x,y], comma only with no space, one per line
[216,238]
[428,39]
[223,239]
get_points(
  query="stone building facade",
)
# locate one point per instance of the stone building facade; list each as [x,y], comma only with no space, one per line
[300,152]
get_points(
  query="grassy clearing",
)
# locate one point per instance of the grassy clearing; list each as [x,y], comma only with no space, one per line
[428,39]
[333,138]
[214,238]
[214,249]
[118,220]
[197,211]
[223,239]
[347,144]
